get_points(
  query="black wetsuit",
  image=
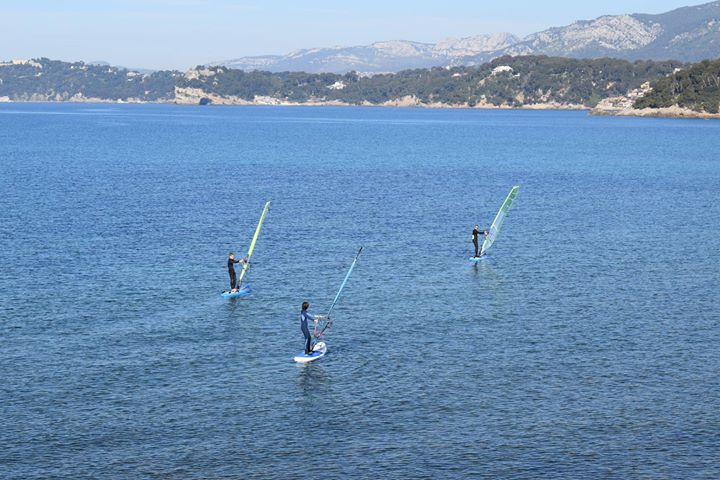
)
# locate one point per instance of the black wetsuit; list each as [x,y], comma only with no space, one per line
[304,317]
[475,234]
[231,271]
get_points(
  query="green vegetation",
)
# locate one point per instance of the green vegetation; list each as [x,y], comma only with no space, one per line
[696,88]
[506,81]
[45,79]
[291,86]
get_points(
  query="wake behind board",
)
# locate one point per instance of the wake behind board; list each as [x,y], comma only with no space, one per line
[242,292]
[319,351]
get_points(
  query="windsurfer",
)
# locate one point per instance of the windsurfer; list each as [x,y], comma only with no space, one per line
[475,233]
[304,317]
[231,271]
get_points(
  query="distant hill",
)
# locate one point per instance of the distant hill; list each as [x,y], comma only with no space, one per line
[696,88]
[380,57]
[686,34]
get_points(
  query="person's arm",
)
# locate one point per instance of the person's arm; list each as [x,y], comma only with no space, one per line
[316,319]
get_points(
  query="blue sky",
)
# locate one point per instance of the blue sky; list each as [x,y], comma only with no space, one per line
[183,33]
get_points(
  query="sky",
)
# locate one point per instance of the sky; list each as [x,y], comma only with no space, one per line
[180,34]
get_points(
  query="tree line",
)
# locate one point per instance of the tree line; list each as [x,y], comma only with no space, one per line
[696,88]
[505,81]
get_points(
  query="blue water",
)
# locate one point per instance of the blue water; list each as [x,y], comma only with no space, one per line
[585,346]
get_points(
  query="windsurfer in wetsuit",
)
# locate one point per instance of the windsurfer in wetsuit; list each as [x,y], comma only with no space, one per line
[231,270]
[476,232]
[304,317]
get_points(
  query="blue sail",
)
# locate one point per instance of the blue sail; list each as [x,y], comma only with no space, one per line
[337,296]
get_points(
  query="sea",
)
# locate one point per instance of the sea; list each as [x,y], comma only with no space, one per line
[585,346]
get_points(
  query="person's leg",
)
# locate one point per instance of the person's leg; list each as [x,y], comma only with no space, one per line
[308,338]
[233,280]
[475,242]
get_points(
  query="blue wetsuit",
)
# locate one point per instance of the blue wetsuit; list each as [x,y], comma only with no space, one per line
[304,317]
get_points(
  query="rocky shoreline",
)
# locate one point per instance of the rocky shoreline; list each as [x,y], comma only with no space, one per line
[623,107]
[197,96]
[616,107]
[670,112]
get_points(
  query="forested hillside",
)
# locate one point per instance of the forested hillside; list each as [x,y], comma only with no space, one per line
[506,81]
[51,80]
[696,88]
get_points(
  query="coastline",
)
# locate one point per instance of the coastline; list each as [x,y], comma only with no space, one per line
[193,97]
[669,112]
[196,97]
[622,106]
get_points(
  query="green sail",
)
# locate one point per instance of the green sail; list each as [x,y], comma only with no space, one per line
[497,223]
[246,265]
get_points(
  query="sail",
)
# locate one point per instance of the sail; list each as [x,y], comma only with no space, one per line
[337,296]
[497,223]
[246,265]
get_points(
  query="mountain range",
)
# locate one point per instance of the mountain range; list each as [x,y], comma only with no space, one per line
[686,34]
